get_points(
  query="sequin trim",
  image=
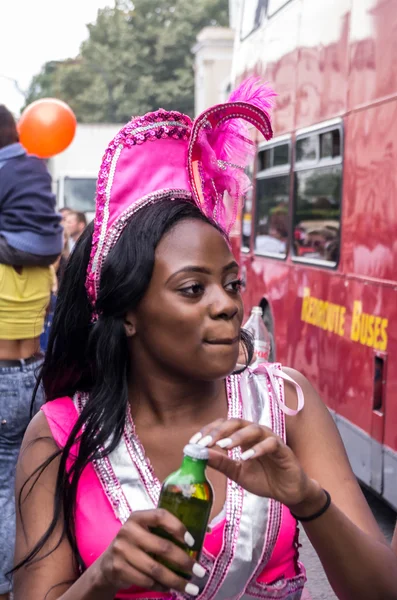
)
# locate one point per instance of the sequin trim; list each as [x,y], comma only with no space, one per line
[141,462]
[151,126]
[104,470]
[224,164]
[275,508]
[118,227]
[198,125]
[234,505]
[106,207]
[283,589]
[159,124]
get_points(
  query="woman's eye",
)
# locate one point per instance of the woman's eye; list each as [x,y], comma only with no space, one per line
[234,286]
[192,290]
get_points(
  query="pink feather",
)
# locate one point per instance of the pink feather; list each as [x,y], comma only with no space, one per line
[254,92]
[230,142]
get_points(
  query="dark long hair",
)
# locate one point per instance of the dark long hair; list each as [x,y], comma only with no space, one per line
[8,128]
[93,357]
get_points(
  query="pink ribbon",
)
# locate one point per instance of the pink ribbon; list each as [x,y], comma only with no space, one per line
[271,371]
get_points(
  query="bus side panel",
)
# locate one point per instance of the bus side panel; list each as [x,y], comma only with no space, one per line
[292,291]
[279,62]
[390,433]
[369,252]
[373,51]
[272,53]
[331,328]
[369,230]
[269,280]
[316,322]
[323,61]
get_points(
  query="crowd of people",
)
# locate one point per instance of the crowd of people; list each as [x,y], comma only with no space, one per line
[141,358]
[35,242]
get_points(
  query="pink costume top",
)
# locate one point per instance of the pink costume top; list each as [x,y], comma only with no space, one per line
[252,550]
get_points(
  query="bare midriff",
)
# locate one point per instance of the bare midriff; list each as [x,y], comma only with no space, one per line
[19,349]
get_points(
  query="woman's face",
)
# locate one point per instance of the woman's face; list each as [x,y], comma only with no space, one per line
[188,323]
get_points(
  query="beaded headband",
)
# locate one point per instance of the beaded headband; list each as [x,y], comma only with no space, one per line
[163,154]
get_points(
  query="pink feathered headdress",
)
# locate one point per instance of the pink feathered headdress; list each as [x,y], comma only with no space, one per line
[164,155]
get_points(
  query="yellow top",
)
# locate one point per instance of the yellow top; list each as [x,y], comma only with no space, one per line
[24,298]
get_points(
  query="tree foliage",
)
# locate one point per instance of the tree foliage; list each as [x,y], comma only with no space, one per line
[137,58]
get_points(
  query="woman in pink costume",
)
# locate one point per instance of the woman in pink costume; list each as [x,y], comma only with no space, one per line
[143,347]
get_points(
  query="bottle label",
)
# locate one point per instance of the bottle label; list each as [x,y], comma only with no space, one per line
[262,350]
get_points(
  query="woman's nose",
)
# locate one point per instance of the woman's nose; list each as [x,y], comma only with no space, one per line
[223,305]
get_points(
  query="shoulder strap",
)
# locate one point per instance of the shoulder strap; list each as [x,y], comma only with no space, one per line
[61,416]
[272,371]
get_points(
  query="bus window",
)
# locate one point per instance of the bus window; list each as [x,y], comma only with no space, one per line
[330,144]
[307,149]
[246,217]
[246,222]
[281,155]
[254,12]
[317,203]
[272,201]
[265,159]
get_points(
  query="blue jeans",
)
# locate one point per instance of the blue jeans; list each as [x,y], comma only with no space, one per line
[16,388]
[47,324]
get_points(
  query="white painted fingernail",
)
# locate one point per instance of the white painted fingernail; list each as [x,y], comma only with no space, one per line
[192,589]
[247,454]
[207,439]
[189,539]
[225,443]
[198,570]
[196,438]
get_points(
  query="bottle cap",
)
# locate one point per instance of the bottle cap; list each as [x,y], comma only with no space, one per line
[257,310]
[196,451]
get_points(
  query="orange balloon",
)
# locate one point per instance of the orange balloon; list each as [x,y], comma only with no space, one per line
[47,127]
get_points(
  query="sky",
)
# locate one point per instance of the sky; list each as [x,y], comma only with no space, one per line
[33,32]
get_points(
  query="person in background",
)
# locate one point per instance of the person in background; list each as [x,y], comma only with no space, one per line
[75,223]
[57,269]
[30,229]
[60,264]
[30,241]
[64,212]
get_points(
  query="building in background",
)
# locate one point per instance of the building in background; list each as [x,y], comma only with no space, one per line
[213,63]
[74,172]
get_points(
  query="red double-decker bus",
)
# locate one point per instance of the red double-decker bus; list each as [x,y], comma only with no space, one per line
[318,235]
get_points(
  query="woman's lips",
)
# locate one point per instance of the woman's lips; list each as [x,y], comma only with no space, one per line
[223,341]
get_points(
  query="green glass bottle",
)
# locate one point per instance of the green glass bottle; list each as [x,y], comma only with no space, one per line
[188,495]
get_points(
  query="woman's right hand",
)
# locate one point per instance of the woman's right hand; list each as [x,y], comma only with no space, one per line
[130,560]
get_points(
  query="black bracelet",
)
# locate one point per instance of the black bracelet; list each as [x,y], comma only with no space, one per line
[318,513]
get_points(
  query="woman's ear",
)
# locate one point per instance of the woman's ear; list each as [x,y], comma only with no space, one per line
[129,324]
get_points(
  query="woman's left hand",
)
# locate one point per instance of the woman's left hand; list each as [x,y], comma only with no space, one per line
[268,467]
